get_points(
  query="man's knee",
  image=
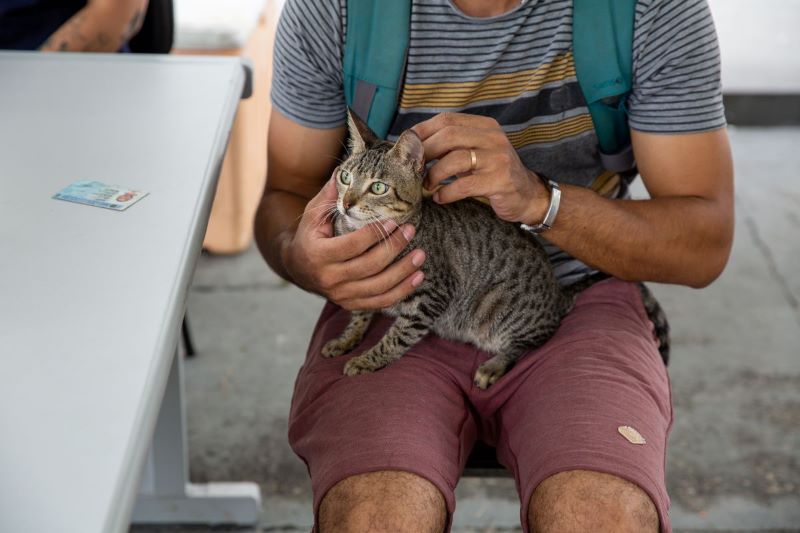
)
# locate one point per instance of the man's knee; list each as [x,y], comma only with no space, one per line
[583,501]
[389,501]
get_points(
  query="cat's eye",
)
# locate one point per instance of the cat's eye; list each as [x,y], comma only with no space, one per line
[379,188]
[345,177]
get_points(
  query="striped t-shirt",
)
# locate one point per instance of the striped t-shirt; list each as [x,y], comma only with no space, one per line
[517,68]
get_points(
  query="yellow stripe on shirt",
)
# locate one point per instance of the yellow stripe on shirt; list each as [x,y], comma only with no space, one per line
[551,132]
[493,87]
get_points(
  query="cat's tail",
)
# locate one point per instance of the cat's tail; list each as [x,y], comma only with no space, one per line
[654,310]
[658,317]
[571,292]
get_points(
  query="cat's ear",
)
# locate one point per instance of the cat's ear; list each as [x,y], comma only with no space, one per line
[408,150]
[361,137]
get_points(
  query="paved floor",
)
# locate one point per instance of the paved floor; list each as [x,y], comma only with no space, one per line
[734,461]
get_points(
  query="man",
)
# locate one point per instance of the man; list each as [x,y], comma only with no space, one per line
[70,25]
[496,78]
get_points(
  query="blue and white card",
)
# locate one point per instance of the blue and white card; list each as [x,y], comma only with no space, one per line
[99,194]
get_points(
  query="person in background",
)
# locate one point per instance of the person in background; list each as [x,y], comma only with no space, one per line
[70,25]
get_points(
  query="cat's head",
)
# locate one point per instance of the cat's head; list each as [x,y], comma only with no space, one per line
[380,180]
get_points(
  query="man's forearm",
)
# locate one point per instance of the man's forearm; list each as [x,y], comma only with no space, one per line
[683,240]
[276,221]
[97,28]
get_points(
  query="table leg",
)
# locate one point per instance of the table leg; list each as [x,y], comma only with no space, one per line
[166,496]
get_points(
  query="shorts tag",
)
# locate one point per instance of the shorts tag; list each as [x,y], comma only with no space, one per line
[631,435]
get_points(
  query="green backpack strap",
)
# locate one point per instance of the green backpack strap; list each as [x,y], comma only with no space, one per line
[602,45]
[375,58]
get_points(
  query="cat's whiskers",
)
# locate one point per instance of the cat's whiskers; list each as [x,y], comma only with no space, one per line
[383,233]
[332,214]
[328,217]
[370,220]
[325,205]
[321,206]
[401,235]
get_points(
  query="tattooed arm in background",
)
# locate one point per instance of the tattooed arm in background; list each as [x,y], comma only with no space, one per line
[101,26]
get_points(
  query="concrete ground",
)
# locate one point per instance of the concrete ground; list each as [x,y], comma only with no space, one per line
[734,458]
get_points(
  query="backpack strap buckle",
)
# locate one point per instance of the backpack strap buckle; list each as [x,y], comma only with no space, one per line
[621,161]
[363,97]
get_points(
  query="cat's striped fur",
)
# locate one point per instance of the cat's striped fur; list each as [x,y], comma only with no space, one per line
[487,282]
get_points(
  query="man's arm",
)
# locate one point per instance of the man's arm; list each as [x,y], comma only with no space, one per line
[294,232]
[682,235]
[299,162]
[101,26]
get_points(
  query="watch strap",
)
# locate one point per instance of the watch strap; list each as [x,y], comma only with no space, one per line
[552,210]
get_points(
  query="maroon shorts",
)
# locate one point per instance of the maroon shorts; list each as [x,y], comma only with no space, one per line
[558,409]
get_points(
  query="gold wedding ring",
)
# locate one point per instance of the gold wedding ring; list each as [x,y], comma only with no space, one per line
[473,160]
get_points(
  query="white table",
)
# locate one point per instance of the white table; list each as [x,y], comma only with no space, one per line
[91,300]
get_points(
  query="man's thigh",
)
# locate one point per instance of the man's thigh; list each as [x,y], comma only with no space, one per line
[562,407]
[411,416]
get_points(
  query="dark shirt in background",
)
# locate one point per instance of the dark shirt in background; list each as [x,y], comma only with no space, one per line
[26,24]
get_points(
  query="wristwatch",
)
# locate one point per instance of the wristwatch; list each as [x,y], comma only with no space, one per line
[552,211]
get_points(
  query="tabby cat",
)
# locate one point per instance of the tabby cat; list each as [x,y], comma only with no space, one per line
[487,282]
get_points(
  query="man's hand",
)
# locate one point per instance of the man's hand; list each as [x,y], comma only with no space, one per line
[515,193]
[354,270]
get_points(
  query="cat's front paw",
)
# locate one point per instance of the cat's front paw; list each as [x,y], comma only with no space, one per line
[335,348]
[489,372]
[360,365]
